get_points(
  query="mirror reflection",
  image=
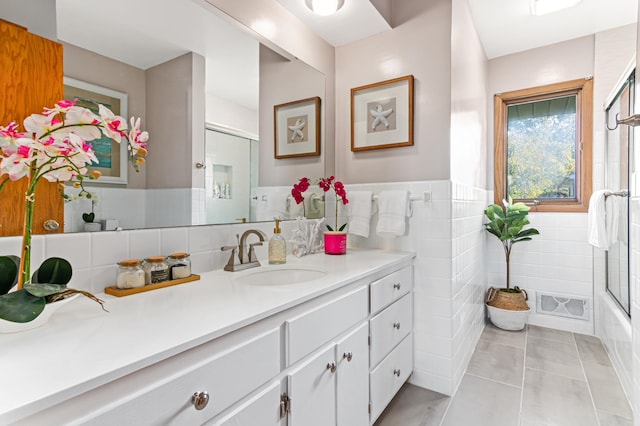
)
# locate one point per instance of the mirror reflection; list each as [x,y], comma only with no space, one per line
[195,79]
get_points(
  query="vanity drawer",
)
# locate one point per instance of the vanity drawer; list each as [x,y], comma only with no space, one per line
[389,327]
[390,288]
[387,378]
[313,328]
[161,393]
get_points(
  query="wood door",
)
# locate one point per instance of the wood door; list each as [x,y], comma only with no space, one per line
[31,78]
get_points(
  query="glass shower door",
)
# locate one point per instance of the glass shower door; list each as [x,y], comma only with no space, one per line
[618,152]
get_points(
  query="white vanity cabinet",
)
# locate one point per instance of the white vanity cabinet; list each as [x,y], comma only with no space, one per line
[334,356]
[391,343]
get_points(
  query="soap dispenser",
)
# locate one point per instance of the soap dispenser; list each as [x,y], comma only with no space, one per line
[277,247]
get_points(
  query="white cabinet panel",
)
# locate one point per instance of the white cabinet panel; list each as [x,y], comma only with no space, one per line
[312,389]
[390,288]
[387,378]
[161,394]
[262,409]
[389,327]
[312,329]
[352,354]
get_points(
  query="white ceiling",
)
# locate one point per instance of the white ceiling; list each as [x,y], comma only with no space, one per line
[506,26]
[144,33]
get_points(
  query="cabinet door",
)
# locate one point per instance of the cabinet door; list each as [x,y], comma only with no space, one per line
[312,389]
[352,354]
[31,79]
[262,409]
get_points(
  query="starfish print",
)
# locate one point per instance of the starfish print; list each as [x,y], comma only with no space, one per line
[297,130]
[380,116]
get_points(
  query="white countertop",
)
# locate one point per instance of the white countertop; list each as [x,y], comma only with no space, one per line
[83,347]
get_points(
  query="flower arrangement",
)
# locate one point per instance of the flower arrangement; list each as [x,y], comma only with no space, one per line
[325,184]
[56,146]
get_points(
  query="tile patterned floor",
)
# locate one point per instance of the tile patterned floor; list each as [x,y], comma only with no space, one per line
[535,377]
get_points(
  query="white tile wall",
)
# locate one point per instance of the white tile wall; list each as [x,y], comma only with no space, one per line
[635,306]
[559,260]
[449,280]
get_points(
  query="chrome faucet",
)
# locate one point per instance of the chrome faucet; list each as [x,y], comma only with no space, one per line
[248,260]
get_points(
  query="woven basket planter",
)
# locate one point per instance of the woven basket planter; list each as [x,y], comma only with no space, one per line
[507,310]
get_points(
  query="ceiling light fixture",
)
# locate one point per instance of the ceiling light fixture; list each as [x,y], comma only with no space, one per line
[324,7]
[542,7]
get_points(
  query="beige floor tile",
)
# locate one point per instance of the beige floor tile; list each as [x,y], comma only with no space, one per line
[549,399]
[553,357]
[509,338]
[608,419]
[606,390]
[482,402]
[549,334]
[497,362]
[591,350]
[414,406]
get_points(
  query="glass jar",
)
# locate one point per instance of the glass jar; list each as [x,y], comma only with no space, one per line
[130,274]
[179,265]
[156,270]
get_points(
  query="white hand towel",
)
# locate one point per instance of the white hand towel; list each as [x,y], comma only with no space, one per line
[602,220]
[359,211]
[277,205]
[392,212]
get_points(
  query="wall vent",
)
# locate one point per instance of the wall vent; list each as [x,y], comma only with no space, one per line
[562,305]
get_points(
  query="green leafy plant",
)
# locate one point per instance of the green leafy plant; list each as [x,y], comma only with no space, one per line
[88,217]
[48,284]
[507,224]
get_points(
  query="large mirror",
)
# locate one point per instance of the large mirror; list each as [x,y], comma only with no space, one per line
[205,89]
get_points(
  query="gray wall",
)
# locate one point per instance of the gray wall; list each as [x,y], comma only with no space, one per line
[175,107]
[418,44]
[90,67]
[39,16]
[283,81]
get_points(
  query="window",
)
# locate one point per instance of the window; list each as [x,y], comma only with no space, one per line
[543,146]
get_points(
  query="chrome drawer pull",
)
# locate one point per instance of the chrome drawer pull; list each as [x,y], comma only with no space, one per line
[200,400]
[396,286]
[396,372]
[348,356]
[396,325]
[331,367]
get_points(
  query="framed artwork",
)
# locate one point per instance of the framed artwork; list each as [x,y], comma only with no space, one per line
[382,115]
[112,156]
[297,128]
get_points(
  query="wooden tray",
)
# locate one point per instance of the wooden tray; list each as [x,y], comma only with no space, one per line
[119,292]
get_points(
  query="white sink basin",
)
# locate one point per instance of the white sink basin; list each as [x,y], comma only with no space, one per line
[279,276]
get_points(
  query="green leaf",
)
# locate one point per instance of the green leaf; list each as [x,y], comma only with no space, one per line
[54,270]
[20,306]
[329,228]
[88,217]
[9,267]
[342,227]
[42,290]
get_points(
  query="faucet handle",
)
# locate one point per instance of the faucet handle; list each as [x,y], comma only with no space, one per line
[251,251]
[232,259]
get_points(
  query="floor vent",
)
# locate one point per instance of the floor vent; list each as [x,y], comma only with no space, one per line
[563,306]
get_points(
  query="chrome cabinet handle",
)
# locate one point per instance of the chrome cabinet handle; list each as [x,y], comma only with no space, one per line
[200,400]
[396,325]
[50,225]
[396,372]
[331,367]
[348,356]
[396,286]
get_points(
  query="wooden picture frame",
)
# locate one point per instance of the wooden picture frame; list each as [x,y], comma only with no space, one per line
[112,156]
[297,128]
[382,115]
